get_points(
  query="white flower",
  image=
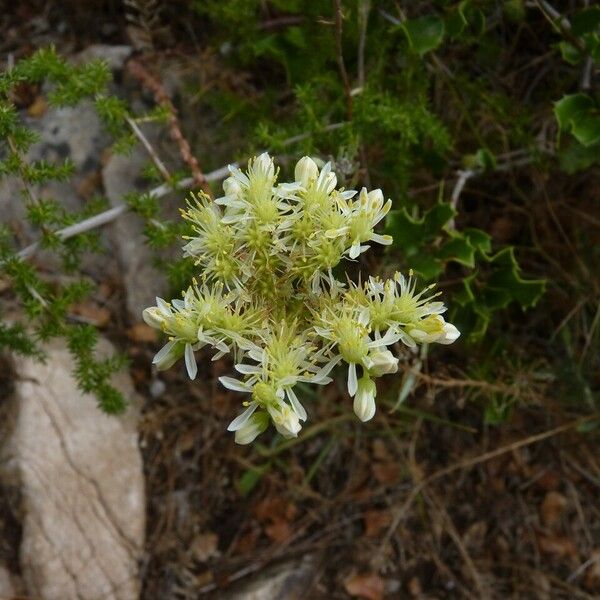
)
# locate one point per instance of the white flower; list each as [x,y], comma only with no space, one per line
[155,316]
[306,171]
[253,427]
[433,329]
[451,334]
[327,180]
[364,401]
[285,419]
[232,188]
[168,355]
[384,362]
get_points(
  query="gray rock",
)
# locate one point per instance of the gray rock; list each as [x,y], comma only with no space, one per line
[9,586]
[69,132]
[288,581]
[82,486]
[121,175]
[114,56]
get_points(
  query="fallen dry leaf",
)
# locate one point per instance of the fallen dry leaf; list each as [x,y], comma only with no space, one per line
[414,587]
[376,521]
[380,450]
[92,313]
[37,108]
[140,332]
[386,473]
[205,546]
[556,545]
[592,575]
[247,541]
[275,508]
[474,536]
[552,508]
[279,531]
[369,586]
[549,481]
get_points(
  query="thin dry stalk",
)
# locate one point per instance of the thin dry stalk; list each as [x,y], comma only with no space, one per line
[150,82]
[337,9]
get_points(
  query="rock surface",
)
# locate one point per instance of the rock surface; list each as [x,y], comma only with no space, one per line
[82,487]
[120,176]
[288,581]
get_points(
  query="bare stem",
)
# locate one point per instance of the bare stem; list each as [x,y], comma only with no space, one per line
[337,6]
[148,146]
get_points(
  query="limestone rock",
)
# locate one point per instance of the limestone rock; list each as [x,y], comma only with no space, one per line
[82,487]
[288,581]
[121,175]
[113,56]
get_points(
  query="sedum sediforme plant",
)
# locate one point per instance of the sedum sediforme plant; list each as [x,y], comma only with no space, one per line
[268,296]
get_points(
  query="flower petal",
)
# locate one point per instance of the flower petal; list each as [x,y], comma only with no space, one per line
[352,379]
[298,408]
[235,384]
[241,419]
[190,361]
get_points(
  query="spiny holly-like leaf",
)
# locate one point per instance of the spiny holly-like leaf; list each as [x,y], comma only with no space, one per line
[506,278]
[427,266]
[425,33]
[458,249]
[410,233]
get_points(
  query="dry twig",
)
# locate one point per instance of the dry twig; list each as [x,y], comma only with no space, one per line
[143,75]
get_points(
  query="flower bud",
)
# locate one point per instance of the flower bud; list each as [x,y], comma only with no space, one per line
[263,166]
[252,428]
[364,401]
[384,362]
[152,316]
[427,330]
[450,335]
[232,188]
[286,420]
[168,355]
[306,171]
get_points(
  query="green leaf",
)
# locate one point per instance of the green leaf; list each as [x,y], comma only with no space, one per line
[425,33]
[411,233]
[586,21]
[578,113]
[429,267]
[514,10]
[576,157]
[458,249]
[506,281]
[455,22]
[482,160]
[478,239]
[250,479]
[569,53]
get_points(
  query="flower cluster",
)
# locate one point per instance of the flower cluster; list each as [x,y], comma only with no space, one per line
[268,296]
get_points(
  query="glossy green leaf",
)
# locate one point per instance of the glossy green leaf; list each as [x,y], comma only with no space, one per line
[427,266]
[569,53]
[425,33]
[579,114]
[410,233]
[576,157]
[507,283]
[478,239]
[586,21]
[455,22]
[458,249]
